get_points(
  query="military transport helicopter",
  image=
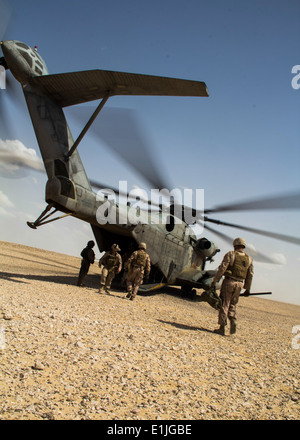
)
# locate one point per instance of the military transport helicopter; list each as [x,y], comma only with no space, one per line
[178,257]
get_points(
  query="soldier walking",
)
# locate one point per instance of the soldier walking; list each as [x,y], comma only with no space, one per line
[138,266]
[88,258]
[110,264]
[237,268]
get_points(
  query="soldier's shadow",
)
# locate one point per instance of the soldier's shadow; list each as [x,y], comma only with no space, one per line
[186,327]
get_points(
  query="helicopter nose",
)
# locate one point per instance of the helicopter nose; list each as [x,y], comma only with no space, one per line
[5,46]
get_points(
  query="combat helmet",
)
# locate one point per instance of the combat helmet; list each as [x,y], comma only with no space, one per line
[115,247]
[142,246]
[239,242]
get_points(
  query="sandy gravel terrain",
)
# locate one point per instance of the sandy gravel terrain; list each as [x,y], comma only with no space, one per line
[70,353]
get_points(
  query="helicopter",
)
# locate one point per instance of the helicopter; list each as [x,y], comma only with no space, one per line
[178,256]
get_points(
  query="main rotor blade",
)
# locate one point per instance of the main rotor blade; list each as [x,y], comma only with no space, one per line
[121,131]
[287,201]
[257,256]
[12,94]
[282,237]
[4,17]
[106,189]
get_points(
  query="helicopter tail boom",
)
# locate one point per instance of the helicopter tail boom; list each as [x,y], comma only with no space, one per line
[55,140]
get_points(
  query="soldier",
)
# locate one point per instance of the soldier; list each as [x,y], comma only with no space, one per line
[111,264]
[237,267]
[88,258]
[125,258]
[138,266]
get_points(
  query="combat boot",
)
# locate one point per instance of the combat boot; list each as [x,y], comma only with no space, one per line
[107,290]
[232,326]
[101,290]
[221,330]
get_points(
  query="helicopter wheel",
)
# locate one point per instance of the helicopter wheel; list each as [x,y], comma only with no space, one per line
[188,292]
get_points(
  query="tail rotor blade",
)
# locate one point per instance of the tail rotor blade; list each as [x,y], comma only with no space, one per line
[121,131]
[4,17]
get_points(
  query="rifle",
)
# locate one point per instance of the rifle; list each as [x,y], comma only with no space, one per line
[257,293]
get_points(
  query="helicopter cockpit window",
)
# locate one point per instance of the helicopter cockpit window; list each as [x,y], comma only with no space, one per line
[39,71]
[39,64]
[27,57]
[60,168]
[39,57]
[24,46]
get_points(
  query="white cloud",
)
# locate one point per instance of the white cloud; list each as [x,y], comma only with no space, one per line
[4,201]
[5,213]
[14,155]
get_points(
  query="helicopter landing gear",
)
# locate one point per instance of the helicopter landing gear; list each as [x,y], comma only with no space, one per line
[188,292]
[44,216]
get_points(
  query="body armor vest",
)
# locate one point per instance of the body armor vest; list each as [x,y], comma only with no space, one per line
[140,259]
[88,254]
[239,267]
[111,260]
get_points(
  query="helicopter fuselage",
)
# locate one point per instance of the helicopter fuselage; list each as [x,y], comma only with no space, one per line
[178,256]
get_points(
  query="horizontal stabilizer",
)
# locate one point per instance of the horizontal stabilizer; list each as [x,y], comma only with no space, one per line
[79,87]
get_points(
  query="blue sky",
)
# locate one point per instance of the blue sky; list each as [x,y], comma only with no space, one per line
[242,142]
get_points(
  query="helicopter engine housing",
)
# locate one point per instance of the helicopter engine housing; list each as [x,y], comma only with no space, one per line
[205,248]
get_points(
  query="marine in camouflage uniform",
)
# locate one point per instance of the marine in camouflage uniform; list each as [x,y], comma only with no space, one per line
[88,258]
[237,268]
[138,267]
[111,264]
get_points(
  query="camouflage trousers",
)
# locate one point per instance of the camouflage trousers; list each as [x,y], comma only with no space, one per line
[107,275]
[230,292]
[134,280]
[85,265]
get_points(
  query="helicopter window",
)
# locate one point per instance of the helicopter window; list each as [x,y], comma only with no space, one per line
[26,57]
[39,64]
[66,188]
[24,46]
[39,71]
[170,223]
[39,57]
[60,168]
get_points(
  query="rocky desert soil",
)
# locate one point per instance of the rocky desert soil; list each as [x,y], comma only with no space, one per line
[71,353]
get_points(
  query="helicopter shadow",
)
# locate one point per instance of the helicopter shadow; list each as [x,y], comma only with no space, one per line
[186,327]
[91,281]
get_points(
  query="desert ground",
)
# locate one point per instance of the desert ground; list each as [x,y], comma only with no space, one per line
[70,353]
